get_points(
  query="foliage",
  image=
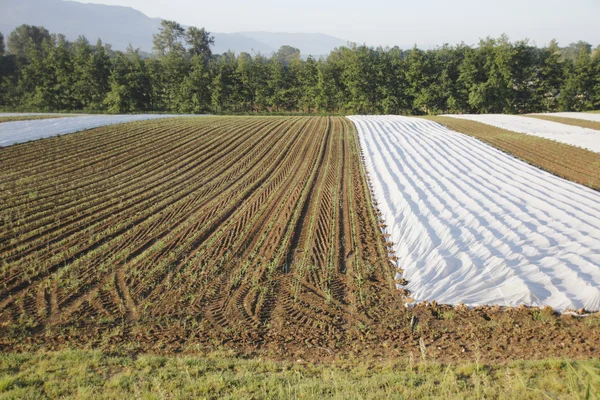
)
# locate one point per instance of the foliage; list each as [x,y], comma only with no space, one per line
[129,84]
[26,36]
[46,72]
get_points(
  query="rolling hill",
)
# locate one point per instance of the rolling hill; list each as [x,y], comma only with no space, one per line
[121,26]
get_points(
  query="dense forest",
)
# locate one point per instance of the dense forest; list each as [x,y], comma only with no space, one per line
[45,72]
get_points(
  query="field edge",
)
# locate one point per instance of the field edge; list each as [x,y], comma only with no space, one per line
[72,373]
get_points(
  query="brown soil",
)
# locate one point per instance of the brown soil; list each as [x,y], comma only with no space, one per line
[251,234]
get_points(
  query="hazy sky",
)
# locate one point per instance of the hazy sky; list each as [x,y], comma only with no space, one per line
[387,22]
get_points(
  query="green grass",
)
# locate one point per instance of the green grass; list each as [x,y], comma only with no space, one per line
[91,374]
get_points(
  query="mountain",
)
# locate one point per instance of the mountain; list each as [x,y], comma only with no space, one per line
[116,25]
[309,43]
[238,43]
[121,26]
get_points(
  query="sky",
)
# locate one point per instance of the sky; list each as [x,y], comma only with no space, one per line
[388,22]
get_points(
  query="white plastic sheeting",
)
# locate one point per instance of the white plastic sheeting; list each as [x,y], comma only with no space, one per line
[473,225]
[569,134]
[24,131]
[33,114]
[595,117]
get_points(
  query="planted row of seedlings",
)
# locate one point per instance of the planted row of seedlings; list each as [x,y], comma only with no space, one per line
[242,224]
[254,232]
[96,230]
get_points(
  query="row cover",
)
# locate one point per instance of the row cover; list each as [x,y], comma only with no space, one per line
[569,134]
[24,131]
[594,117]
[473,225]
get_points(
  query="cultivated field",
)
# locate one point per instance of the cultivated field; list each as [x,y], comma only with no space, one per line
[474,225]
[573,135]
[253,234]
[21,131]
[231,224]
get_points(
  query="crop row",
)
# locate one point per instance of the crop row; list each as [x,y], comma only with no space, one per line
[241,225]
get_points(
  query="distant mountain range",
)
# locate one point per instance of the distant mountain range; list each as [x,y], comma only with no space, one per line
[120,26]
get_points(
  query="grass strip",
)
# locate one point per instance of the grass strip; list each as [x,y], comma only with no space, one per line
[92,374]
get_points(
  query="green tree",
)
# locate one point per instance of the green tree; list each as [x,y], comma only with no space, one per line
[130,88]
[596,78]
[308,81]
[247,74]
[226,85]
[154,71]
[2,47]
[471,75]
[25,36]
[392,87]
[360,78]
[276,84]
[217,95]
[524,79]
[62,83]
[439,92]
[169,38]
[488,75]
[549,77]
[8,79]
[327,88]
[175,68]
[36,78]
[91,71]
[286,54]
[195,89]
[573,50]
[417,81]
[578,91]
[260,76]
[173,57]
[199,42]
[44,71]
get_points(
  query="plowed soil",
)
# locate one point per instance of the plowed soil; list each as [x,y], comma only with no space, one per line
[251,234]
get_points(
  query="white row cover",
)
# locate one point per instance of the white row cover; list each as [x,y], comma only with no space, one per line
[31,114]
[24,131]
[569,134]
[594,117]
[471,224]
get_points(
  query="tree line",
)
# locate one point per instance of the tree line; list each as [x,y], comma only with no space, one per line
[46,72]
